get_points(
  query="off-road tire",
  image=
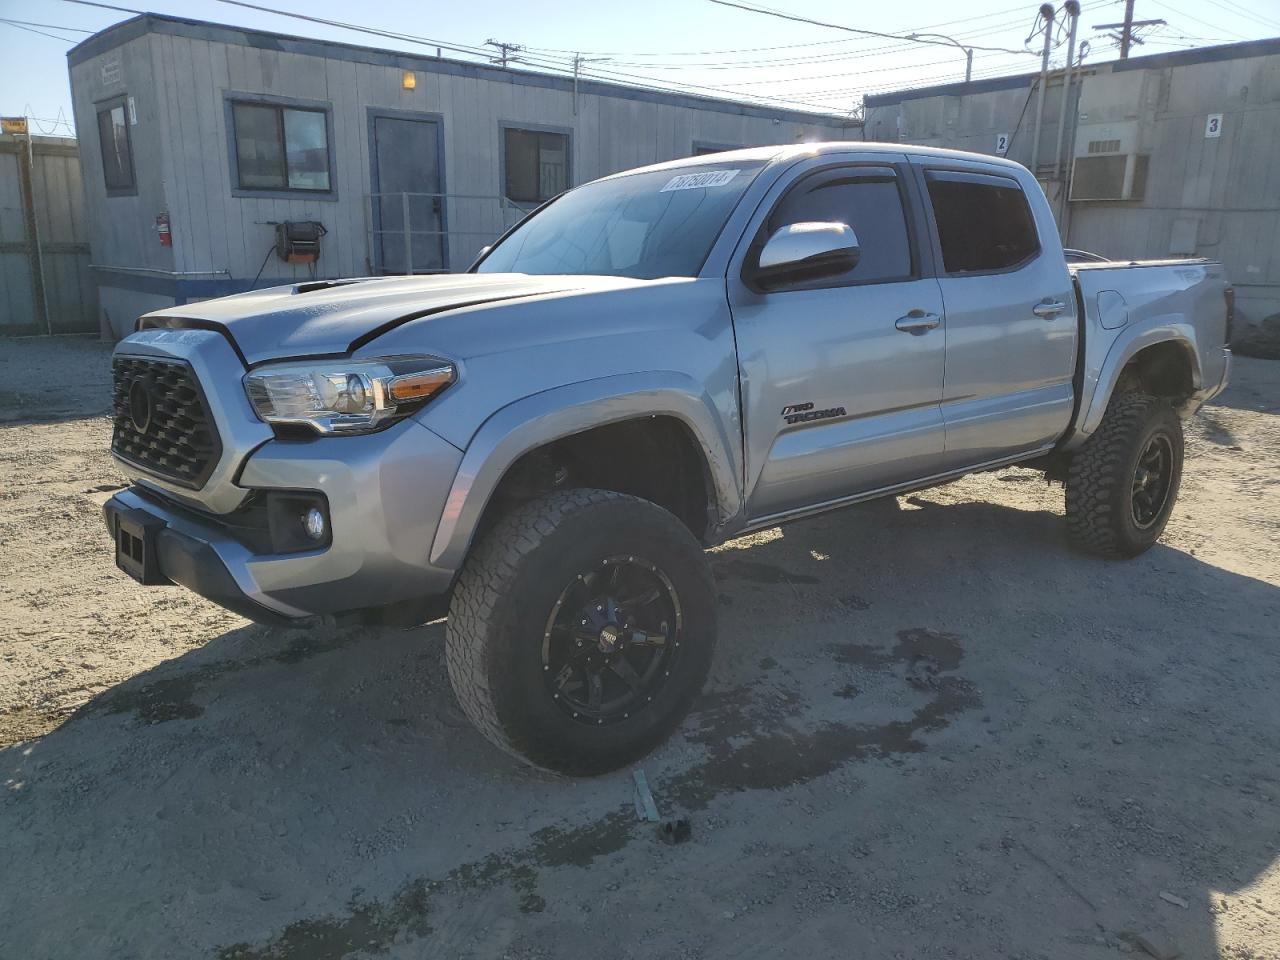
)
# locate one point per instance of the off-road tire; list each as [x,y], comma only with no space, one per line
[1100,480]
[509,586]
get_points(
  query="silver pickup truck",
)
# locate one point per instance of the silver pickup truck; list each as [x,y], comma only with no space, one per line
[648,365]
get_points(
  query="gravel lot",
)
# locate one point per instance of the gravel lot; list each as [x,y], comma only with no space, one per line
[932,730]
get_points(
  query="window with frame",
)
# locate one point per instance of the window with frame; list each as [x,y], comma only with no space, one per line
[117,149]
[280,147]
[536,164]
[869,200]
[984,222]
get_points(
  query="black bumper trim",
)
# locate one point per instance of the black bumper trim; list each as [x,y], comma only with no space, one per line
[196,565]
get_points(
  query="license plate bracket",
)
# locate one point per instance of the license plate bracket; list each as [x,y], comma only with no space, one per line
[136,553]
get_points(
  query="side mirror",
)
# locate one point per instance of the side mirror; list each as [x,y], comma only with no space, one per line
[806,251]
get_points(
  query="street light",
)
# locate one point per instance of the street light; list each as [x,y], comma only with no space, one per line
[968,51]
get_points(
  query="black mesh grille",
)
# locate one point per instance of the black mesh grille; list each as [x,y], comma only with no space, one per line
[161,420]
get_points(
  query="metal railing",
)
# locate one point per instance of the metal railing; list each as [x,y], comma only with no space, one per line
[413,232]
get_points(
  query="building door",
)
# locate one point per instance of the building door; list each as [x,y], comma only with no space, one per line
[408,205]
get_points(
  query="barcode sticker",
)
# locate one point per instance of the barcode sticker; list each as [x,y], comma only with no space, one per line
[694,181]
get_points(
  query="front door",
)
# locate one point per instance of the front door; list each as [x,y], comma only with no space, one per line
[408,231]
[841,378]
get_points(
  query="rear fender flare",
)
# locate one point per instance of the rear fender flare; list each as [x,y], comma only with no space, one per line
[1127,346]
[562,411]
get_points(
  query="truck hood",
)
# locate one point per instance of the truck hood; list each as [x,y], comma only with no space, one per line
[337,316]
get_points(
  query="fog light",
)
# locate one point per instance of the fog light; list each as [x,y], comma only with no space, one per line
[313,523]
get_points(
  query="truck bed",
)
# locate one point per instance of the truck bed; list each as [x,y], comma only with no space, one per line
[1127,304]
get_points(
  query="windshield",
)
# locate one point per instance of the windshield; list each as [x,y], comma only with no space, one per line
[646,225]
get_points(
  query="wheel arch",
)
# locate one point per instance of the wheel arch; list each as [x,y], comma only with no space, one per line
[668,400]
[1162,361]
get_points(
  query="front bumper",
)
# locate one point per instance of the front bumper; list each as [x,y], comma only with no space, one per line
[385,491]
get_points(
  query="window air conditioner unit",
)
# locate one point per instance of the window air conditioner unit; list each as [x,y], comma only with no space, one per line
[1115,176]
[1108,162]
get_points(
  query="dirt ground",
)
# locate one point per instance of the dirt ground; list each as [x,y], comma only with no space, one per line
[932,730]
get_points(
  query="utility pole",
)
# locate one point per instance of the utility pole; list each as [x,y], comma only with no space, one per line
[1128,29]
[578,61]
[1072,8]
[506,51]
[1046,13]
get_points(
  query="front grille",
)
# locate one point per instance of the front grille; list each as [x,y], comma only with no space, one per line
[161,422]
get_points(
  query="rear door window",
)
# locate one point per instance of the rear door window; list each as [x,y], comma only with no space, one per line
[869,200]
[984,222]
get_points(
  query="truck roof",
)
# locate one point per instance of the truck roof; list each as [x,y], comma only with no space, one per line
[797,150]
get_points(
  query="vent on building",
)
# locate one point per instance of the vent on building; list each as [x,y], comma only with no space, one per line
[1109,177]
[1104,146]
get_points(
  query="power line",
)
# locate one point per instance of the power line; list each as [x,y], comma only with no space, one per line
[836,26]
[18,26]
[1203,23]
[1232,7]
[787,46]
[105,6]
[552,64]
[51,26]
[556,64]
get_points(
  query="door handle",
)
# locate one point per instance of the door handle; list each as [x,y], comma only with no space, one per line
[917,322]
[1047,309]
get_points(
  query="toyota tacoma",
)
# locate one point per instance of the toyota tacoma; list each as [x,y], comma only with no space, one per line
[648,365]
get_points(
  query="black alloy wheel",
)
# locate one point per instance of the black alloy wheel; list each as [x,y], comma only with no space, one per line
[1151,481]
[612,640]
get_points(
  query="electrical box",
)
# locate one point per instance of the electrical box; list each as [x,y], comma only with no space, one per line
[298,241]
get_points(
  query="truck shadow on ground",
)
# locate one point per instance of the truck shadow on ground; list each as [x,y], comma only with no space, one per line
[930,729]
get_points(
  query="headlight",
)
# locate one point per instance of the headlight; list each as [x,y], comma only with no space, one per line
[345,396]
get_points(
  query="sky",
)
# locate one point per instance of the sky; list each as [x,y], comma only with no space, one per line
[697,46]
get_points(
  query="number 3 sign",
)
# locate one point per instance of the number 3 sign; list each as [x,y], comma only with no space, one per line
[1213,126]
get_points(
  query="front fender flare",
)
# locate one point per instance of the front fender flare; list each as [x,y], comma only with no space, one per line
[562,411]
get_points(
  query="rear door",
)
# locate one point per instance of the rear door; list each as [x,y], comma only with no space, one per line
[408,231]
[841,378]
[1011,317]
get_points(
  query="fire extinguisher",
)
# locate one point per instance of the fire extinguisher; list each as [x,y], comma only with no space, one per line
[162,228]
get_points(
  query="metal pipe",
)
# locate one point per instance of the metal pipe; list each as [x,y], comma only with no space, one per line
[1046,11]
[161,273]
[1073,11]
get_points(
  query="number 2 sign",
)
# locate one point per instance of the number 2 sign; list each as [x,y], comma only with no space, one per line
[1002,144]
[1213,126]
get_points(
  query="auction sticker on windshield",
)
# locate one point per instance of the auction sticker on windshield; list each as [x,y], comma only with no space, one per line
[692,181]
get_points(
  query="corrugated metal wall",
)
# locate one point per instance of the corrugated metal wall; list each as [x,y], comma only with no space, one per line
[69,294]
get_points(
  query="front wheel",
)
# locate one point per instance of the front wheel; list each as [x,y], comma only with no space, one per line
[581,629]
[1123,482]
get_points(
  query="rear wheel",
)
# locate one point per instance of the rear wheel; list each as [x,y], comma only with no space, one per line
[1124,481]
[581,629]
